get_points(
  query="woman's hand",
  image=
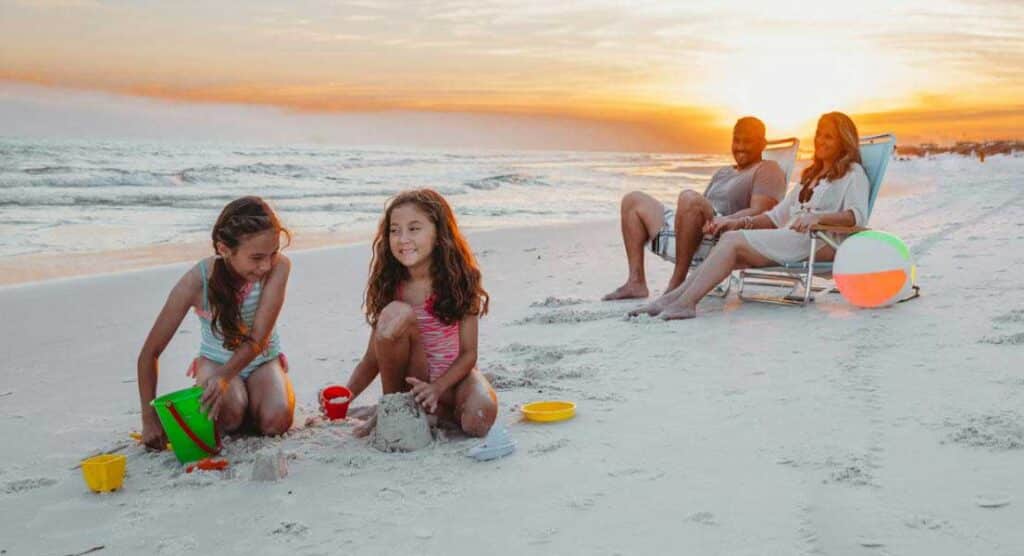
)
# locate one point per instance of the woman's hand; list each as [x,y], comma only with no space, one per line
[427,394]
[804,222]
[153,436]
[722,224]
[214,387]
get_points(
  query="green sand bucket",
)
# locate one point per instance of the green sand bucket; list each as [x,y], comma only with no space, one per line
[193,435]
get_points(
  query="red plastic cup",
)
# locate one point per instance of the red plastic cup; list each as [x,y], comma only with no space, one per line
[334,400]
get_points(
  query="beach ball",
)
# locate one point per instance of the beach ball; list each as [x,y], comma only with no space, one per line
[873,269]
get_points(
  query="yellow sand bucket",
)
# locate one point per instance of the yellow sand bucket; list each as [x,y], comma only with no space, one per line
[104,473]
[549,411]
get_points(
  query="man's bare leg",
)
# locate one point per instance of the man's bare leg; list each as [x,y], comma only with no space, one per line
[692,212]
[641,216]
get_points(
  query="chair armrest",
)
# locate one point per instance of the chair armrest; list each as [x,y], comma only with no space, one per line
[838,229]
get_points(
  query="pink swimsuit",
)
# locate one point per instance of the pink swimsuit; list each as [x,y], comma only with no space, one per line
[440,341]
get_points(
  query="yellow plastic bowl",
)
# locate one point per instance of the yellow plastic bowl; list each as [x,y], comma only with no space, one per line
[548,411]
[105,472]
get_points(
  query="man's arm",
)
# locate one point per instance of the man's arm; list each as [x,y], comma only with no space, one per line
[758,204]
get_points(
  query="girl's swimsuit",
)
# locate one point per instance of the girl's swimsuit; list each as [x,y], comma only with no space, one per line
[440,340]
[212,346]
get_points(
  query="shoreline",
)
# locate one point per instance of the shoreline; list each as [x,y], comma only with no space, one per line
[34,269]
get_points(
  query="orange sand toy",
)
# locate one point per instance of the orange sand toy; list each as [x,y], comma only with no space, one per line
[208,464]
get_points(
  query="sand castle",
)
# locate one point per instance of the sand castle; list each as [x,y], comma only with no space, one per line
[401,425]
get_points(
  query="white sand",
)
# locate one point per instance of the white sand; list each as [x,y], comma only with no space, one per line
[754,429]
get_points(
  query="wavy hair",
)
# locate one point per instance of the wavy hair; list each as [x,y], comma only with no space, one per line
[454,274]
[850,152]
[238,220]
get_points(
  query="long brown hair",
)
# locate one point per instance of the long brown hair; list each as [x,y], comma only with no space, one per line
[239,218]
[454,274]
[850,143]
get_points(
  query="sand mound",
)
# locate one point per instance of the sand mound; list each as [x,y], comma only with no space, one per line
[401,425]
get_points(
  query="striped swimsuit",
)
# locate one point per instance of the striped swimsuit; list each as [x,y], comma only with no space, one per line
[212,346]
[440,340]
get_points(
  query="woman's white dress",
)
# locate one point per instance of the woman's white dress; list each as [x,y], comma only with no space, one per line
[784,245]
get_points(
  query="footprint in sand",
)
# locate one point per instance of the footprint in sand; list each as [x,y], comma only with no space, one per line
[291,529]
[571,316]
[851,471]
[1009,339]
[548,447]
[24,485]
[544,355]
[703,518]
[995,431]
[554,302]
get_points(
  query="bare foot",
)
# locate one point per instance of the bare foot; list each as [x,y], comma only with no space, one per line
[653,308]
[678,312]
[629,290]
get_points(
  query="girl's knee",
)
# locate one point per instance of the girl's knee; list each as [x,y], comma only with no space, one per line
[275,421]
[394,319]
[231,416]
[478,418]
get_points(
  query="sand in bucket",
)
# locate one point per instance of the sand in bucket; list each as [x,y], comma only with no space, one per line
[192,434]
[401,424]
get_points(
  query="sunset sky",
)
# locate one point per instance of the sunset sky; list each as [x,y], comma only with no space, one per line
[645,75]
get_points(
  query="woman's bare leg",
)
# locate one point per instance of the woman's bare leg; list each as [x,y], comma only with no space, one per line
[271,398]
[732,252]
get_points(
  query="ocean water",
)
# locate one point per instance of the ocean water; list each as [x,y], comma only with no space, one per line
[85,196]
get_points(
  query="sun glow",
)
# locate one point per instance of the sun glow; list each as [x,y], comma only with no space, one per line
[788,81]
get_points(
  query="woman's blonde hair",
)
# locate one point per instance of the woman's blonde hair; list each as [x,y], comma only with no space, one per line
[850,150]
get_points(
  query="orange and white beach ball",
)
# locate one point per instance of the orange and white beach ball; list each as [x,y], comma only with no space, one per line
[874,269]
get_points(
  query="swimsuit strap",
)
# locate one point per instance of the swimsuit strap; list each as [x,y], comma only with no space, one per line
[206,297]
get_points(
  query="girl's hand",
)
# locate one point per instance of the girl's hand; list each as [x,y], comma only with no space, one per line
[153,436]
[213,393]
[427,394]
[804,222]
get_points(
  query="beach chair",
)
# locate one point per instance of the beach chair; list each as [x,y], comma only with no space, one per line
[875,153]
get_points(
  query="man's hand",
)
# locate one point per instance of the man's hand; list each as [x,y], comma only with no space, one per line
[722,224]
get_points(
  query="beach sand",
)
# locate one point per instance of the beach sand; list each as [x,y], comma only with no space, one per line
[754,429]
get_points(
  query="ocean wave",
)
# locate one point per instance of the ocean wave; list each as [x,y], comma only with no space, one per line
[494,182]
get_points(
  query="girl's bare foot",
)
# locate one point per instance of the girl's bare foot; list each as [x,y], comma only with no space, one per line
[678,312]
[629,290]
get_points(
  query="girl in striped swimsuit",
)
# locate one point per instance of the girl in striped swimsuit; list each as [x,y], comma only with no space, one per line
[237,296]
[423,300]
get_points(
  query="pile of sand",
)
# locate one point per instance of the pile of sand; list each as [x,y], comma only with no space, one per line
[401,425]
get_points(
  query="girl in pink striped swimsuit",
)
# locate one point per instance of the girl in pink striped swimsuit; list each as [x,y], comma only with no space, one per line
[423,301]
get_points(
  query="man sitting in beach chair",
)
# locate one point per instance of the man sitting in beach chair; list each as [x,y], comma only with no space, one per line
[749,188]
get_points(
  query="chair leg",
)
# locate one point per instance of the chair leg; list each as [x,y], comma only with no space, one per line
[809,283]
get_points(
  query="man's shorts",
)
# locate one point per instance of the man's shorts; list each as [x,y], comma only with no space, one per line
[664,242]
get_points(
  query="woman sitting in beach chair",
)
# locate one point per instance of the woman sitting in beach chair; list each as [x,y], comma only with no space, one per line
[833,192]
